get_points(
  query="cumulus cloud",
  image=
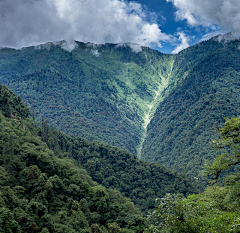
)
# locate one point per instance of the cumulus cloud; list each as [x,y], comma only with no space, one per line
[31,22]
[224,13]
[184,42]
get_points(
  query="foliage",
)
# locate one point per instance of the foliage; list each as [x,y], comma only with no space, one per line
[7,222]
[207,212]
[41,192]
[204,89]
[117,169]
[12,105]
[110,95]
[217,209]
[228,147]
[101,97]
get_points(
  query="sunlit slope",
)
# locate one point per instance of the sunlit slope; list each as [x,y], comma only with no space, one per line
[97,92]
[203,89]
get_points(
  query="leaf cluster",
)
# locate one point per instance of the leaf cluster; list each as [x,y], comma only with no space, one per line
[42,192]
[117,169]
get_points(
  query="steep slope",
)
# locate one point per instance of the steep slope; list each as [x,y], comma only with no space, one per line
[41,192]
[207,89]
[44,186]
[114,168]
[161,107]
[99,92]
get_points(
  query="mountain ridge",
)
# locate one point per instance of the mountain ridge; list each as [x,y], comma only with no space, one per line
[51,182]
[124,92]
[122,106]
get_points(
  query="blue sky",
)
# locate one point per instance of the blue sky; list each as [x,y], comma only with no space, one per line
[169,25]
[166,25]
[166,19]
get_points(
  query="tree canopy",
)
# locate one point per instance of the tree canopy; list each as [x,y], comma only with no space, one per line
[217,209]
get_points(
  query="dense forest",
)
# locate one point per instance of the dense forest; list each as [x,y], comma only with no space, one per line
[177,111]
[184,123]
[96,92]
[114,168]
[51,182]
[42,192]
[163,108]
[217,209]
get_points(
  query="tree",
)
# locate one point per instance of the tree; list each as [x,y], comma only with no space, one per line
[195,214]
[217,209]
[228,146]
[113,228]
[7,222]
[95,229]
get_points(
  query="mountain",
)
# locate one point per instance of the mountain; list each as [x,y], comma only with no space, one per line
[41,192]
[99,92]
[48,179]
[182,128]
[114,168]
[161,107]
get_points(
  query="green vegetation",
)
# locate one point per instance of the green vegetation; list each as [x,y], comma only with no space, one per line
[117,169]
[160,107]
[42,192]
[97,92]
[164,106]
[217,209]
[51,182]
[204,89]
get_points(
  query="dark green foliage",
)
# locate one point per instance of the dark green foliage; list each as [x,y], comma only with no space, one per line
[207,89]
[7,222]
[217,209]
[41,192]
[114,168]
[211,211]
[97,97]
[112,95]
[12,105]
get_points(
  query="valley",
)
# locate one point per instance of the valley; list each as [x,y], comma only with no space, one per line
[51,181]
[152,106]
[119,134]
[161,107]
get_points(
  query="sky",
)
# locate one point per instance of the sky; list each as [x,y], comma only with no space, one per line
[166,25]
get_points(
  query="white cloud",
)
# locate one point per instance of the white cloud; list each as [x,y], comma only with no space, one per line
[31,22]
[135,47]
[184,42]
[95,53]
[209,13]
[212,34]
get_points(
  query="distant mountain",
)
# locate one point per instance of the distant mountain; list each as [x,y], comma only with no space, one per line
[208,89]
[162,107]
[97,92]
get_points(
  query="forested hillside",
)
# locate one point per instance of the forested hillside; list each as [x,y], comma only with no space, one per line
[41,192]
[98,92]
[217,209]
[47,179]
[160,107]
[181,130]
[114,168]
